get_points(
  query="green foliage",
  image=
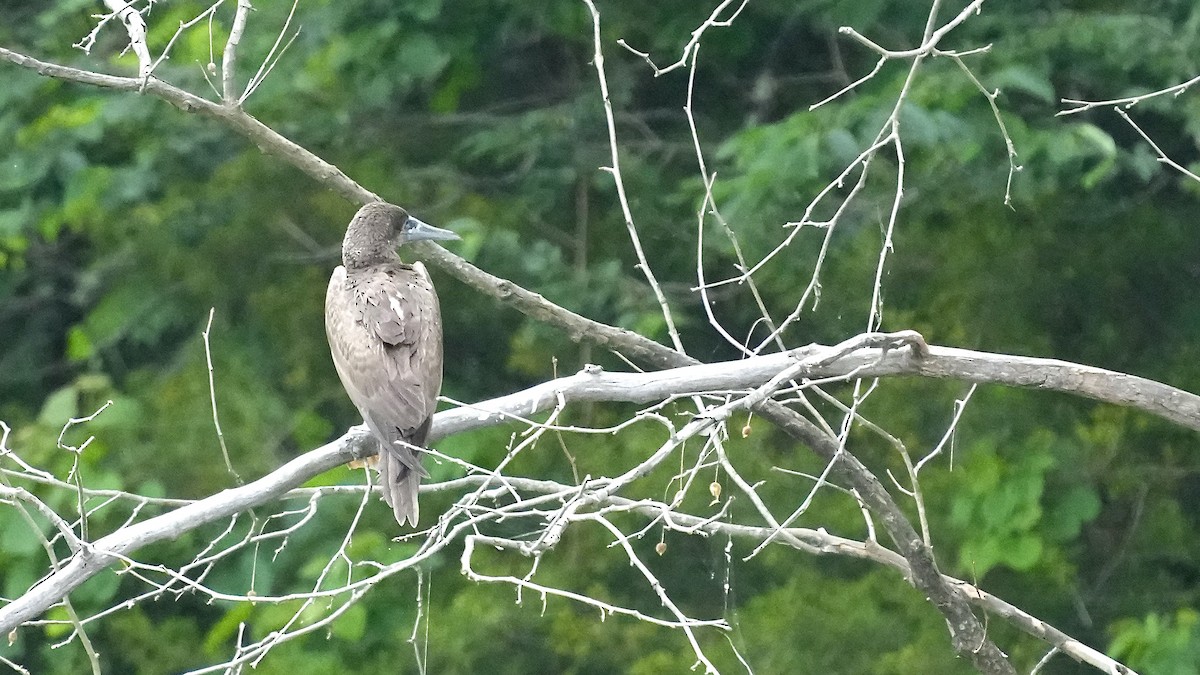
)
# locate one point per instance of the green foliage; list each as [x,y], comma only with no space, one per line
[864,624]
[1004,512]
[123,221]
[1160,644]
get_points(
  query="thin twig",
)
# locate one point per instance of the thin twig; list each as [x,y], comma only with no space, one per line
[212,397]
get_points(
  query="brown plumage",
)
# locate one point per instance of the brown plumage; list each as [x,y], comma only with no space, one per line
[385,333]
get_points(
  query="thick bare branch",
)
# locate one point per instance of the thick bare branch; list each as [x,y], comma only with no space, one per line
[229,57]
[967,635]
[592,384]
[108,550]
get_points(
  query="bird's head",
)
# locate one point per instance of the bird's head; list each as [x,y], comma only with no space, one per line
[378,229]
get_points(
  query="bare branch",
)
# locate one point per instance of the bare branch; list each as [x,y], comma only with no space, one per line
[595,385]
[991,97]
[615,170]
[264,137]
[110,549]
[229,57]
[713,21]
[135,25]
[1080,105]
[272,57]
[928,43]
[1162,156]
[212,397]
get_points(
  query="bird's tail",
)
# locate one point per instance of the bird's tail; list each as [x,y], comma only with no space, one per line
[400,484]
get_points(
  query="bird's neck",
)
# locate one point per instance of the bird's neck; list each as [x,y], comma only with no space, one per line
[363,257]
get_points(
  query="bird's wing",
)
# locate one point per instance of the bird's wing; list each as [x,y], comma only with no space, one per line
[384,332]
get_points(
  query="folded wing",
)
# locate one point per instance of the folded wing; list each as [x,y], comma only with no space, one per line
[384,330]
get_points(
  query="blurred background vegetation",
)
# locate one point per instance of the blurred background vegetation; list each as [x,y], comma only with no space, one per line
[123,220]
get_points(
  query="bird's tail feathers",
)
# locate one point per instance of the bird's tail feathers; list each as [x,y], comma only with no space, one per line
[401,484]
[408,456]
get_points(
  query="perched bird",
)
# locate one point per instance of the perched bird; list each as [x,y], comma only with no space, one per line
[385,333]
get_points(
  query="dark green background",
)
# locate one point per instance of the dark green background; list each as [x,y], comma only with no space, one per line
[123,220]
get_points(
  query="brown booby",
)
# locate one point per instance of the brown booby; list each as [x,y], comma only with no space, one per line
[385,333]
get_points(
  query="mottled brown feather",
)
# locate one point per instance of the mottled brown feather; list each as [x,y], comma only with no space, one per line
[384,328]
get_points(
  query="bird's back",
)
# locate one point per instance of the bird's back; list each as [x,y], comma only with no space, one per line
[385,334]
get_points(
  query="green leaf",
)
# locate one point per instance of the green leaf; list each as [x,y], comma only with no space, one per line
[843,147]
[98,590]
[21,170]
[13,222]
[1022,553]
[310,428]
[1100,144]
[352,624]
[421,56]
[59,407]
[1080,504]
[61,622]
[1024,80]
[226,628]
[16,538]
[79,345]
[423,10]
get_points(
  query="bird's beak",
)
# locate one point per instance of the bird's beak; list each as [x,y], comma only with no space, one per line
[416,230]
